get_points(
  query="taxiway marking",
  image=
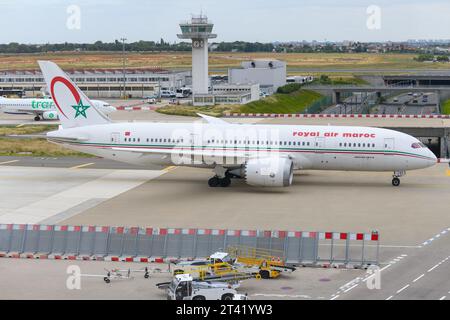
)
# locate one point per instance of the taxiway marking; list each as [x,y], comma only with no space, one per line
[82,165]
[11,161]
[282,295]
[170,168]
[400,290]
[419,277]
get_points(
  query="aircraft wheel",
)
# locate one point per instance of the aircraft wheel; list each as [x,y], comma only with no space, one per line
[264,274]
[214,182]
[395,182]
[225,182]
[37,118]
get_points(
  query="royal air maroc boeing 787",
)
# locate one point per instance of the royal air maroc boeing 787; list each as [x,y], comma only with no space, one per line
[262,155]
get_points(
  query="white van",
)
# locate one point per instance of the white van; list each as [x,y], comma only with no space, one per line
[168,94]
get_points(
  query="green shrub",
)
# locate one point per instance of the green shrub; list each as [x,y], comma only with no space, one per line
[289,88]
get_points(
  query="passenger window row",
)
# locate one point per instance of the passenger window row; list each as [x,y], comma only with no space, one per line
[254,142]
[153,140]
[359,145]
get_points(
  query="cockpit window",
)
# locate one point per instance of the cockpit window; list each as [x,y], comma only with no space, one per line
[417,145]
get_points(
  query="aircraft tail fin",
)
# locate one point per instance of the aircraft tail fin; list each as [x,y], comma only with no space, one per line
[74,107]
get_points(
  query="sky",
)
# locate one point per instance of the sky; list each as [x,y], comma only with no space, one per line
[81,21]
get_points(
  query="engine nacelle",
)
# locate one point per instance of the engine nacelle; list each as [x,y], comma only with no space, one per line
[50,115]
[269,172]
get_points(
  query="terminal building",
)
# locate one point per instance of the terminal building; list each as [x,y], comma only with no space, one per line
[270,74]
[99,83]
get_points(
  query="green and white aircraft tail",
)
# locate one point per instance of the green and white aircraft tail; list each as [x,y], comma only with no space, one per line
[74,107]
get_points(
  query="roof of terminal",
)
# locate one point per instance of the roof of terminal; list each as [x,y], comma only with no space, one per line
[90,71]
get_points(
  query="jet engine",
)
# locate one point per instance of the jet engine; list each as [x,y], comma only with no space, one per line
[50,115]
[269,172]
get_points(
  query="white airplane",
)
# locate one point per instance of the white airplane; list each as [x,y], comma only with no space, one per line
[42,108]
[262,155]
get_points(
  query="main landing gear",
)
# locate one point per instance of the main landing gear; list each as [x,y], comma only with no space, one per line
[221,179]
[219,182]
[396,177]
[37,118]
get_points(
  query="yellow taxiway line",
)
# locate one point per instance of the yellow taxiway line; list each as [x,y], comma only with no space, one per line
[82,165]
[11,161]
[170,168]
[448,172]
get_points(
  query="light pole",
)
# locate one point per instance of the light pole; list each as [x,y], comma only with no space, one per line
[123,66]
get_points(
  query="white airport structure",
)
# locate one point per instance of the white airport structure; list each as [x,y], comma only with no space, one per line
[270,74]
[199,30]
[236,93]
[99,83]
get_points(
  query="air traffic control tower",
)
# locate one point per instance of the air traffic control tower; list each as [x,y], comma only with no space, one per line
[199,30]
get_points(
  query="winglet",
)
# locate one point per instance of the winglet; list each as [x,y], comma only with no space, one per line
[212,120]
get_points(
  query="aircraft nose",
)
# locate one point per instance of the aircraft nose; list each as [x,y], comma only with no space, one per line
[433,159]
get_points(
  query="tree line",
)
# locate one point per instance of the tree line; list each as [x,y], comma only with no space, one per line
[432,57]
[138,46]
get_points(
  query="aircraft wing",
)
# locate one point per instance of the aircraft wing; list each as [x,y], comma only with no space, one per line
[21,111]
[212,120]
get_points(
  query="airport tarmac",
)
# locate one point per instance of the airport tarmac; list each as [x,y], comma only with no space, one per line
[411,219]
[46,279]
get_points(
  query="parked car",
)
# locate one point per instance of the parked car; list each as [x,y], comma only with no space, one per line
[168,94]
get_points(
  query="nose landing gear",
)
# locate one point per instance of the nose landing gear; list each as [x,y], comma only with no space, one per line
[396,177]
[395,182]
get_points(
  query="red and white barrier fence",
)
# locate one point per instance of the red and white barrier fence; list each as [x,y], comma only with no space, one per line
[131,244]
[320,115]
[145,108]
